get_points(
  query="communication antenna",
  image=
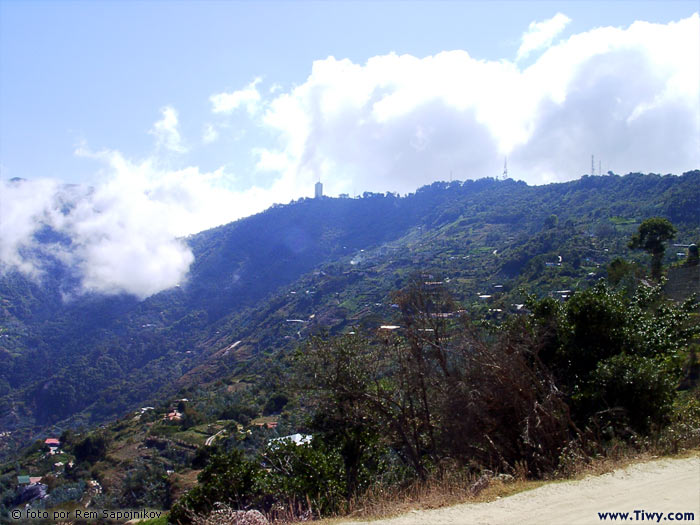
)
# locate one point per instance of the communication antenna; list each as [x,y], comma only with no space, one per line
[592,165]
[505,168]
[600,171]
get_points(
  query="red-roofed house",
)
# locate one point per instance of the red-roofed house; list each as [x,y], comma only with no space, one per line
[52,442]
[173,416]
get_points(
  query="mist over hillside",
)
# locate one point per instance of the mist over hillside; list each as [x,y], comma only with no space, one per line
[329,263]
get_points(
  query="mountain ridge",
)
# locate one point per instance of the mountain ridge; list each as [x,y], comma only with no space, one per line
[97,357]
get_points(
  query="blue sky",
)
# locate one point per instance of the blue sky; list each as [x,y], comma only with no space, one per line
[176,116]
[98,72]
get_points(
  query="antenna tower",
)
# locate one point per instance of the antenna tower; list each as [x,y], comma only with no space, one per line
[592,165]
[505,168]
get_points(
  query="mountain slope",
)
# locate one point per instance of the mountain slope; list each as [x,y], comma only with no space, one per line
[322,262]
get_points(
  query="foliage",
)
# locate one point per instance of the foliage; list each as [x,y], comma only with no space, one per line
[91,449]
[228,478]
[462,382]
[307,477]
[609,353]
[683,430]
[275,404]
[651,236]
[644,387]
[446,388]
[62,494]
[623,273]
[145,485]
[191,417]
[94,357]
[440,390]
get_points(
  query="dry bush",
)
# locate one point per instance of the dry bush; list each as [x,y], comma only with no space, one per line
[502,410]
[449,486]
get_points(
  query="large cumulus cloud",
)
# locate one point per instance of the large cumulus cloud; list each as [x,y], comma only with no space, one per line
[396,122]
[627,95]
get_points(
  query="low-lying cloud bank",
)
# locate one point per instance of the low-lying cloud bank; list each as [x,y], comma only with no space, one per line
[122,236]
[627,95]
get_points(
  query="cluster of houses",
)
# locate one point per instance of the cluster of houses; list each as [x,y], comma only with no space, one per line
[28,480]
[33,483]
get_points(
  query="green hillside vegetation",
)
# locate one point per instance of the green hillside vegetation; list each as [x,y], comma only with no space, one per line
[528,396]
[522,397]
[276,296]
[93,358]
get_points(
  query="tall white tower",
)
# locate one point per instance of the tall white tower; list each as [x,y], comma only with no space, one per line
[319,190]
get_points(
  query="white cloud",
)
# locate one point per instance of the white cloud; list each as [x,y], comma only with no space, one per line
[627,95]
[211,134]
[23,210]
[125,234]
[541,34]
[166,133]
[249,97]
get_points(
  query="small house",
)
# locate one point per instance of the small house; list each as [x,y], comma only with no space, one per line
[173,416]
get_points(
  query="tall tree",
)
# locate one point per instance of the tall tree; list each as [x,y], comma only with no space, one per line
[650,237]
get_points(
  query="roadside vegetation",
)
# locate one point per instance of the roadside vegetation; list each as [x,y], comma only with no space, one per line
[447,404]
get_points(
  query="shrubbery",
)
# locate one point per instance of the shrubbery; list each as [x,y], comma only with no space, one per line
[305,479]
[523,397]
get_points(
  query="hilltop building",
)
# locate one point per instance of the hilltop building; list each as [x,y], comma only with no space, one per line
[319,190]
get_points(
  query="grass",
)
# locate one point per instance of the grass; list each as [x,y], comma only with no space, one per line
[454,489]
[623,221]
[192,436]
[432,494]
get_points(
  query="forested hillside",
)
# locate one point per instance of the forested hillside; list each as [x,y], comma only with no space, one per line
[260,285]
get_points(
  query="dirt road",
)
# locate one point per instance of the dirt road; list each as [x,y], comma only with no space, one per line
[667,486]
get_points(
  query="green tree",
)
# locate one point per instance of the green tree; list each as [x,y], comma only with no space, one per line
[228,478]
[551,222]
[341,376]
[306,476]
[650,237]
[619,360]
[91,449]
[620,270]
